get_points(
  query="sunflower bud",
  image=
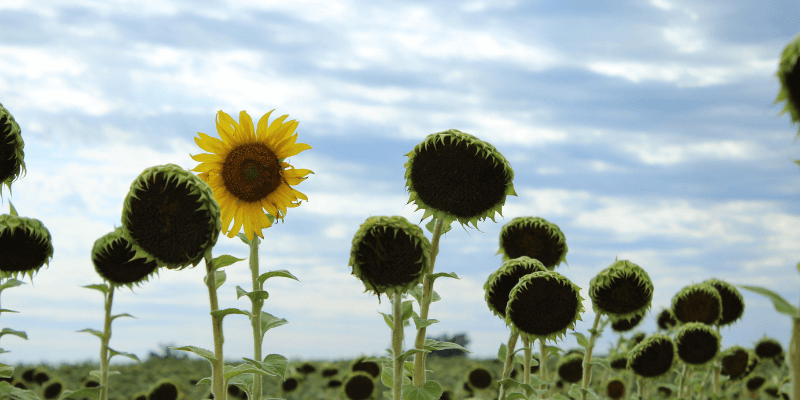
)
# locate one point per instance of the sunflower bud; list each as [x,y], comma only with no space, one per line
[459,178]
[390,255]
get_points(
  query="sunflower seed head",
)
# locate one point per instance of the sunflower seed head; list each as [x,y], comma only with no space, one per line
[607,278]
[536,223]
[789,79]
[709,299]
[11,143]
[507,269]
[693,327]
[732,301]
[11,226]
[113,247]
[639,353]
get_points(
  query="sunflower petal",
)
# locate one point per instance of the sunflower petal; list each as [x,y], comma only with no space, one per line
[296,149]
[207,158]
[295,176]
[226,127]
[267,205]
[263,126]
[238,220]
[206,167]
[210,144]
[273,138]
[245,126]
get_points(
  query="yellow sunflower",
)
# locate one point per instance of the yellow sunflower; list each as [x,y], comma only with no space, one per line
[247,172]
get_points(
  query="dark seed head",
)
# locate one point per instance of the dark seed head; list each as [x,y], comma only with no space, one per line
[768,348]
[732,301]
[543,305]
[666,320]
[53,390]
[615,389]
[112,257]
[499,285]
[370,367]
[624,325]
[755,382]
[653,357]
[736,362]
[164,391]
[697,303]
[359,386]
[289,385]
[697,343]
[533,237]
[570,368]
[622,291]
[480,378]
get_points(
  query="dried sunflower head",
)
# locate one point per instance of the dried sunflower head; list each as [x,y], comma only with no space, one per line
[500,282]
[533,237]
[622,291]
[697,343]
[732,301]
[653,357]
[543,305]
[111,256]
[11,153]
[25,245]
[699,302]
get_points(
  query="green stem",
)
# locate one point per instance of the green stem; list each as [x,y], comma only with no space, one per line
[104,346]
[794,347]
[587,357]
[684,376]
[717,369]
[397,346]
[218,382]
[527,375]
[427,293]
[509,364]
[543,356]
[640,388]
[256,319]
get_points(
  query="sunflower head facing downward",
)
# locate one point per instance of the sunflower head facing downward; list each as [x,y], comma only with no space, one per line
[25,245]
[499,284]
[622,291]
[247,172]
[789,76]
[170,216]
[456,176]
[533,237]
[112,258]
[390,255]
[11,153]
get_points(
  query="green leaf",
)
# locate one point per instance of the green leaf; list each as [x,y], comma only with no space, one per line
[284,273]
[223,261]
[6,371]
[416,293]
[206,380]
[11,282]
[559,396]
[581,339]
[781,305]
[269,321]
[244,238]
[222,313]
[432,345]
[433,277]
[388,319]
[122,315]
[2,310]
[420,323]
[430,390]
[513,396]
[509,383]
[431,225]
[602,361]
[101,287]
[219,277]
[501,354]
[276,364]
[387,377]
[200,352]
[7,331]
[258,295]
[244,369]
[577,392]
[98,373]
[93,332]
[119,353]
[93,392]
[409,353]
[406,310]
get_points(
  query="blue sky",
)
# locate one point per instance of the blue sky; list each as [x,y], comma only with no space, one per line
[644,129]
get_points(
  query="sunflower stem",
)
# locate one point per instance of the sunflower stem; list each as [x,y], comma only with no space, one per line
[640,388]
[794,347]
[427,293]
[684,376]
[397,346]
[509,364]
[543,369]
[717,369]
[217,378]
[526,377]
[104,346]
[587,356]
[258,303]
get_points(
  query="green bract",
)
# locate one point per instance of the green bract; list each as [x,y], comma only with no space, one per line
[700,302]
[111,255]
[543,305]
[170,216]
[533,237]
[11,153]
[622,291]
[386,262]
[459,178]
[500,282]
[25,245]
[697,343]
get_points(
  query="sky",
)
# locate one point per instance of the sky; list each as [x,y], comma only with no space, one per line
[645,130]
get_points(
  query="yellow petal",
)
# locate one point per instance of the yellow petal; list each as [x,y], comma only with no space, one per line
[207,158]
[269,207]
[295,149]
[245,126]
[207,167]
[226,127]
[263,126]
[210,144]
[272,138]
[238,219]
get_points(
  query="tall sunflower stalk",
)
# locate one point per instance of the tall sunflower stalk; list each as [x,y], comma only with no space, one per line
[248,175]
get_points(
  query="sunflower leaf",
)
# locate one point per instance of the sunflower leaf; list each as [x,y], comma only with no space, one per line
[602,361]
[420,323]
[432,277]
[581,339]
[387,376]
[244,369]
[432,224]
[2,310]
[93,392]
[416,293]
[244,238]
[407,310]
[258,295]
[119,353]
[122,315]
[219,278]
[284,273]
[13,283]
[389,320]
[6,371]
[432,345]
[101,287]
[430,390]
[196,350]
[223,261]
[222,313]
[204,381]
[93,332]
[269,321]
[97,373]
[276,364]
[780,304]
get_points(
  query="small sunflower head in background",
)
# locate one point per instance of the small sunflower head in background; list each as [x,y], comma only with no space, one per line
[247,172]
[456,176]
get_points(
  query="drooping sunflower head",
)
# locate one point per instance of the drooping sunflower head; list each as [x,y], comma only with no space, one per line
[170,216]
[653,357]
[732,301]
[25,245]
[358,386]
[247,172]
[165,389]
[390,255]
[11,153]
[622,291]
[543,305]
[500,282]
[697,343]
[570,367]
[112,254]
[699,302]
[456,176]
[768,348]
[789,75]
[624,325]
[533,237]
[738,362]
[666,320]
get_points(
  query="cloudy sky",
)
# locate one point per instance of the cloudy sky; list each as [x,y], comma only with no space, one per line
[644,129]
